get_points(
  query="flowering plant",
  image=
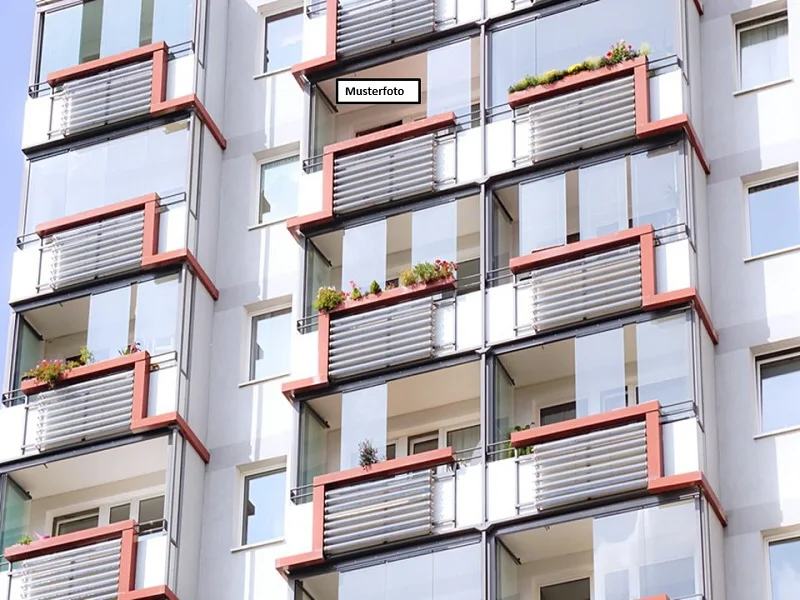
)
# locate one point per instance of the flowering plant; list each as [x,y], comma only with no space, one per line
[328,298]
[131,348]
[355,293]
[48,371]
[368,454]
[426,272]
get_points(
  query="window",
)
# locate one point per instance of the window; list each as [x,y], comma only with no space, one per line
[571,590]
[784,568]
[378,128]
[779,385]
[263,507]
[76,522]
[465,442]
[283,43]
[763,51]
[557,414]
[269,345]
[774,215]
[423,443]
[278,190]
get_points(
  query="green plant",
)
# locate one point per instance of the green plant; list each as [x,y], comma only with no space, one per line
[426,272]
[374,287]
[47,371]
[355,294]
[84,358]
[408,277]
[527,449]
[25,540]
[367,454]
[328,298]
[131,348]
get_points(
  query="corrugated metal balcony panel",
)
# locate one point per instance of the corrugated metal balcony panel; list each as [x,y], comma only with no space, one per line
[378,512]
[95,250]
[378,176]
[87,573]
[83,410]
[381,338]
[601,284]
[593,465]
[372,24]
[106,97]
[582,119]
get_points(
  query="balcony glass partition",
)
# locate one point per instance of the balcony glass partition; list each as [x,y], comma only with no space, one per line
[364,254]
[596,373]
[591,201]
[13,516]
[561,39]
[99,28]
[364,421]
[89,177]
[104,322]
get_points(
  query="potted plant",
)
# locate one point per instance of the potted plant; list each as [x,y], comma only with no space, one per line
[51,371]
[368,454]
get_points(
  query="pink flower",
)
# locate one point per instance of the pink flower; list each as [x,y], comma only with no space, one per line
[608,54]
[630,47]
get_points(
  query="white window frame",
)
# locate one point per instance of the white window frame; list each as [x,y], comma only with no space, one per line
[247,472]
[252,317]
[401,441]
[264,158]
[749,25]
[792,533]
[765,359]
[273,11]
[776,175]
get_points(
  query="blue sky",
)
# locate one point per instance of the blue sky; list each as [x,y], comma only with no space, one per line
[16,31]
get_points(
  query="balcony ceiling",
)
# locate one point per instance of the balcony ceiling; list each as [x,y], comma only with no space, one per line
[554,542]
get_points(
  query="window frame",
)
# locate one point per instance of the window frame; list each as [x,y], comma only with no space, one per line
[246,476]
[749,25]
[791,534]
[766,359]
[784,177]
[252,319]
[271,17]
[261,163]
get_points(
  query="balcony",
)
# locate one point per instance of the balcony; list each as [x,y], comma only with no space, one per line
[425,432]
[77,528]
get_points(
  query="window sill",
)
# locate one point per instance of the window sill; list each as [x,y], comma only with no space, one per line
[777,432]
[271,73]
[245,384]
[270,223]
[763,86]
[771,254]
[255,546]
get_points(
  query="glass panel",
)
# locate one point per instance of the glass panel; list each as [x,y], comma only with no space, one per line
[109,323]
[664,360]
[425,444]
[61,38]
[173,21]
[156,314]
[600,372]
[363,584]
[91,24]
[571,590]
[657,188]
[504,404]
[120,513]
[784,569]
[764,54]
[118,33]
[457,573]
[391,451]
[603,199]
[774,216]
[313,447]
[30,351]
[264,507]
[151,509]
[502,236]
[271,337]
[364,414]
[450,79]
[557,414]
[465,439]
[512,57]
[542,214]
[780,381]
[410,578]
[364,255]
[507,575]
[77,522]
[278,193]
[318,274]
[324,128]
[14,522]
[284,41]
[645,553]
[434,233]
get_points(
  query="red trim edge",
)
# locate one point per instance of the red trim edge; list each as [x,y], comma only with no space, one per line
[689,480]
[103,64]
[98,369]
[68,541]
[160,592]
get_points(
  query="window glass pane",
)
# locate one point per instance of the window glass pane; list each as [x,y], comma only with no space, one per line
[271,339]
[173,21]
[151,509]
[72,523]
[30,351]
[61,39]
[363,584]
[156,314]
[313,447]
[450,79]
[571,590]
[278,193]
[502,236]
[284,42]
[774,216]
[465,439]
[600,372]
[654,547]
[410,578]
[507,575]
[557,414]
[504,404]
[318,274]
[364,414]
[391,451]
[457,573]
[664,360]
[423,443]
[109,323]
[119,33]
[657,186]
[324,130]
[784,569]
[117,514]
[512,57]
[433,234]
[14,522]
[764,54]
[780,382]
[264,507]
[364,255]
[542,214]
[603,199]
[91,23]
[47,195]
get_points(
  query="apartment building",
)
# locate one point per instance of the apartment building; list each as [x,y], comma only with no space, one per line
[533,337]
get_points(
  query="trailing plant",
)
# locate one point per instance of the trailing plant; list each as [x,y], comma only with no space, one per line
[374,287]
[619,52]
[367,454]
[131,348]
[47,371]
[25,540]
[328,298]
